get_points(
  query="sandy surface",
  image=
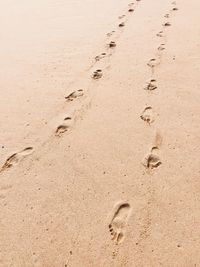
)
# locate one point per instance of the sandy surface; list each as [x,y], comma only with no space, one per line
[99,145]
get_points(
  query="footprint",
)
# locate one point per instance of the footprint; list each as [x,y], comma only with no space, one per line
[97,74]
[112,44]
[97,58]
[64,127]
[166,15]
[61,129]
[174,9]
[160,34]
[153,62]
[161,47]
[110,33]
[75,94]
[152,160]
[131,10]
[16,158]
[147,115]
[151,85]
[119,221]
[131,4]
[122,24]
[122,16]
[167,24]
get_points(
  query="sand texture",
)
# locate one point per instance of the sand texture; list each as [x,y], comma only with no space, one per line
[100,143]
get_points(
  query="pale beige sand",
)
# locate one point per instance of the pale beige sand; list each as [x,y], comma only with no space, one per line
[108,176]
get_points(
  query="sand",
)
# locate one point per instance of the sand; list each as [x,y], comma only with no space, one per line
[99,140]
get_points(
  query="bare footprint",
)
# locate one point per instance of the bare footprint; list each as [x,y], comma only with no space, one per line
[122,16]
[112,44]
[151,85]
[75,94]
[16,158]
[167,24]
[152,160]
[97,74]
[119,221]
[122,24]
[97,58]
[160,34]
[153,62]
[161,47]
[64,127]
[147,115]
[110,33]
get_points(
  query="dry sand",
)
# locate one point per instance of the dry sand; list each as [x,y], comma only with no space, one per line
[99,144]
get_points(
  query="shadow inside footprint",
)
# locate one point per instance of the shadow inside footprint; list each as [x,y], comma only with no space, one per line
[112,44]
[160,34]
[122,24]
[152,63]
[97,74]
[167,24]
[147,115]
[119,222]
[152,160]
[16,158]
[151,85]
[110,33]
[161,47]
[63,127]
[74,95]
[122,16]
[97,58]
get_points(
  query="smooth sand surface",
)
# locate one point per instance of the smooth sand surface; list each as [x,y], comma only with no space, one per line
[100,161]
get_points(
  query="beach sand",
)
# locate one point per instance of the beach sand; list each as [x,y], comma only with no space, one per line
[100,161]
